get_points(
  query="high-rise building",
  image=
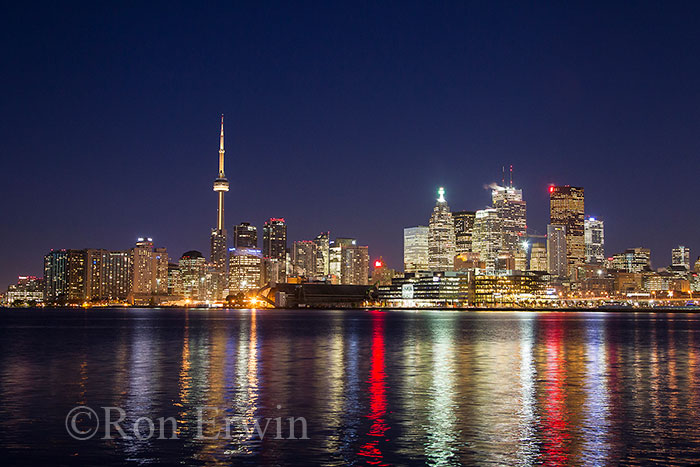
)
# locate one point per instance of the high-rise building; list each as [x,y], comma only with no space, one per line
[245,236]
[28,290]
[594,237]
[336,257]
[354,265]
[415,248]
[441,236]
[108,276]
[304,258]
[633,260]
[512,212]
[245,269]
[538,257]
[56,276]
[567,210]
[322,242]
[76,276]
[218,235]
[193,274]
[487,237]
[557,250]
[680,257]
[174,280]
[149,274]
[464,227]
[274,250]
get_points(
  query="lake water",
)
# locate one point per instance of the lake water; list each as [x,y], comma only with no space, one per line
[381,388]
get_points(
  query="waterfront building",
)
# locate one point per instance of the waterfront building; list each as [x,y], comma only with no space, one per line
[304,258]
[441,236]
[336,258]
[594,238]
[464,228]
[109,275]
[193,274]
[633,260]
[509,290]
[381,273]
[175,288]
[274,249]
[487,237]
[468,261]
[567,210]
[149,272]
[245,235]
[557,250]
[354,265]
[680,257]
[415,248]
[218,234]
[512,213]
[245,269]
[427,289]
[29,290]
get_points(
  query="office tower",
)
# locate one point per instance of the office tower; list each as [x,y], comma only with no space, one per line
[594,237]
[487,237]
[566,209]
[245,269]
[245,235]
[520,256]
[680,257]
[441,236]
[415,248]
[633,260]
[193,273]
[28,290]
[354,265]
[381,273]
[161,259]
[218,235]
[322,242]
[174,280]
[512,212]
[274,250]
[538,257]
[76,276]
[95,277]
[464,226]
[336,257]
[142,261]
[304,258]
[55,276]
[557,250]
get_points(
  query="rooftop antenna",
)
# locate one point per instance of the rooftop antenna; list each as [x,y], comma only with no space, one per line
[511,176]
[503,175]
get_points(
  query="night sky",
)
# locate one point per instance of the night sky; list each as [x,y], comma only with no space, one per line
[341,117]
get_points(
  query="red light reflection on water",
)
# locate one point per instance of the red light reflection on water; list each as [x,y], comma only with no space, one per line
[377,395]
[554,424]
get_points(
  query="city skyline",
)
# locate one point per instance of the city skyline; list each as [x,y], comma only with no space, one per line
[414,116]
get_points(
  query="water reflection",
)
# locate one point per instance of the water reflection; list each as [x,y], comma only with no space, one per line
[439,388]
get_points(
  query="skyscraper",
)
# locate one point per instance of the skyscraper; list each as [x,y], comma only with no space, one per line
[556,250]
[680,257]
[149,272]
[538,257]
[415,248]
[218,235]
[322,242]
[441,236]
[354,265]
[594,234]
[245,269]
[512,212]
[464,227]
[566,209]
[56,276]
[336,258]
[193,274]
[487,237]
[245,235]
[274,250]
[633,260]
[304,258]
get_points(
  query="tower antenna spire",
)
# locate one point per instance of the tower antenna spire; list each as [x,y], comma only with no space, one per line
[511,175]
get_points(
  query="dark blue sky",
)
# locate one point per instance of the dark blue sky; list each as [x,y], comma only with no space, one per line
[341,117]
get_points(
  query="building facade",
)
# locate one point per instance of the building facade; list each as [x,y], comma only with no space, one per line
[487,237]
[567,210]
[464,228]
[415,248]
[594,238]
[441,236]
[245,270]
[245,235]
[557,262]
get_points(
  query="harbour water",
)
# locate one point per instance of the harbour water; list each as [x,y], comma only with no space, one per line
[385,388]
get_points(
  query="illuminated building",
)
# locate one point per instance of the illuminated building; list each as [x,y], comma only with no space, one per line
[381,273]
[566,209]
[697,265]
[441,236]
[680,257]
[415,248]
[193,274]
[27,290]
[174,281]
[512,212]
[427,289]
[538,257]
[468,261]
[149,274]
[108,275]
[218,235]
[594,237]
[335,256]
[633,260]
[464,227]
[322,243]
[245,269]
[274,249]
[486,239]
[505,290]
[76,275]
[245,236]
[556,250]
[354,265]
[304,258]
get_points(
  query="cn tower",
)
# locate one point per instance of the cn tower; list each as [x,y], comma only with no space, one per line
[218,235]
